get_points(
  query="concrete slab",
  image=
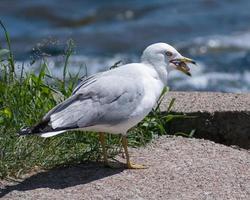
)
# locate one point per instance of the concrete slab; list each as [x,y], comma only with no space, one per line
[222,117]
[178,168]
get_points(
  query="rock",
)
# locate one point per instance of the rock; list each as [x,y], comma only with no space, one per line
[178,168]
[221,117]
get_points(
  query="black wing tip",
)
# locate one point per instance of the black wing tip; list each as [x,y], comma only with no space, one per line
[25,131]
[38,128]
[41,127]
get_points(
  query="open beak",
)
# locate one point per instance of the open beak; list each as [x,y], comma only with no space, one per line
[181,64]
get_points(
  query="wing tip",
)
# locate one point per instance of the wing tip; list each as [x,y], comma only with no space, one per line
[50,134]
[25,131]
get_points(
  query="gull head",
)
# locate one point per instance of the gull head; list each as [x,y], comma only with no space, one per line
[164,57]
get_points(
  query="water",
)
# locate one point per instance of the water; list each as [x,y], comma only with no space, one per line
[215,33]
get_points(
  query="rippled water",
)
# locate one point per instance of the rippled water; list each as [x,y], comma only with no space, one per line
[215,33]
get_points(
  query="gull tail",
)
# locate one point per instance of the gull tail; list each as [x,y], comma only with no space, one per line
[43,129]
[28,131]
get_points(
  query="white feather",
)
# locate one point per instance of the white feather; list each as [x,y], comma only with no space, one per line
[50,134]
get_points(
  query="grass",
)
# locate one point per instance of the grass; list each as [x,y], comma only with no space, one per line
[26,97]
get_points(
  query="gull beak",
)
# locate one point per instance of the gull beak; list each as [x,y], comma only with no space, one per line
[181,64]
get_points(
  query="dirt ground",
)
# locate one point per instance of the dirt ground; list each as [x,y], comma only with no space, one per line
[178,168]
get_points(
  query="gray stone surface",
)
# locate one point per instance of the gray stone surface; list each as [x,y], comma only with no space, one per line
[222,117]
[178,168]
[190,102]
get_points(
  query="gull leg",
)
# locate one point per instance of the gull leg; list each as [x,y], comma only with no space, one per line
[129,164]
[104,153]
[104,150]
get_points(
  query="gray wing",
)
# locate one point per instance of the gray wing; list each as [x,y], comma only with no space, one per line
[107,98]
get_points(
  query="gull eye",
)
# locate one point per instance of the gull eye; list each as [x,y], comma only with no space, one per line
[168,53]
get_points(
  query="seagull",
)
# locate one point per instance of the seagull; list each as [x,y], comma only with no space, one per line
[114,101]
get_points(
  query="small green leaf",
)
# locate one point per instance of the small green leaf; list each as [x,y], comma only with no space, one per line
[170,117]
[45,90]
[7,112]
[58,96]
[4,52]
[1,120]
[191,134]
[181,134]
[171,105]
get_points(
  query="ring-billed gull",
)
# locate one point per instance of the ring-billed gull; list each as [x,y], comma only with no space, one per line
[116,100]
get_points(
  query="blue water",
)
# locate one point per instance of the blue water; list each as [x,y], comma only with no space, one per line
[215,33]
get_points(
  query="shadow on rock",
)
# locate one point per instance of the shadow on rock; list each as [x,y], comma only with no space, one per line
[63,177]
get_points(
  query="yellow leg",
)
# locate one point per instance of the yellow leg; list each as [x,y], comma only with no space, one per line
[129,164]
[104,151]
